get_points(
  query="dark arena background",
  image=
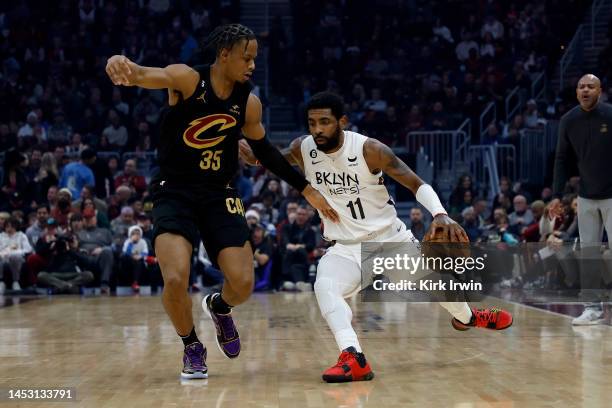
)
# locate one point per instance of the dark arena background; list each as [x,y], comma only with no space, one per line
[469,94]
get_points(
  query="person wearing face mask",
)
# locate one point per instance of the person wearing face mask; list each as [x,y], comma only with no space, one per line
[63,209]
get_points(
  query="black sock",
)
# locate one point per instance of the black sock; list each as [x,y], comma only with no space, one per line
[191,338]
[219,305]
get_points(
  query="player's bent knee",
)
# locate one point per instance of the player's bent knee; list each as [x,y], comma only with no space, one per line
[174,284]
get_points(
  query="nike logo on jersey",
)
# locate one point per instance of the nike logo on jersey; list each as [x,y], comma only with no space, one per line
[161,183]
[399,228]
[352,159]
[317,162]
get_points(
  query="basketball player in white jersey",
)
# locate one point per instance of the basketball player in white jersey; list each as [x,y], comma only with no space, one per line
[347,168]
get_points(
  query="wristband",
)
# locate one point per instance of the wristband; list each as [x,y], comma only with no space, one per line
[429,199]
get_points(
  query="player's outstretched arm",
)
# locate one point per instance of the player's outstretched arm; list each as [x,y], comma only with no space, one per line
[272,159]
[292,153]
[179,77]
[379,157]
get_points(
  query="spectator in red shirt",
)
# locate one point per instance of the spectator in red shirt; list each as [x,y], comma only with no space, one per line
[130,177]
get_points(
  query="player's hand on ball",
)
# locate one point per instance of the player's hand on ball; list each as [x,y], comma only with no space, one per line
[121,70]
[443,225]
[246,153]
[319,202]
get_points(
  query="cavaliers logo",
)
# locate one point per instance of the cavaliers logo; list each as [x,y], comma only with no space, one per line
[191,136]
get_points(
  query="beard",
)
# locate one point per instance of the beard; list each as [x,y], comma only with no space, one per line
[331,143]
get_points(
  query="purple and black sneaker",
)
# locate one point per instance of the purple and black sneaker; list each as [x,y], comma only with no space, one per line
[194,362]
[228,339]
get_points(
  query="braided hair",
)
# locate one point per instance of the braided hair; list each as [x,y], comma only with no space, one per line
[226,36]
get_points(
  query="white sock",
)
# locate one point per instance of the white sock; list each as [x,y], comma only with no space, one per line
[460,310]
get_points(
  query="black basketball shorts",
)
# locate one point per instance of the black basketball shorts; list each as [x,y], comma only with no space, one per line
[215,215]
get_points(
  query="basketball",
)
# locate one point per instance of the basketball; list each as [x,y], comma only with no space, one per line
[439,243]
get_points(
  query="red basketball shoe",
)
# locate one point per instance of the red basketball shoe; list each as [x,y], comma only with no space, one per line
[351,366]
[493,319]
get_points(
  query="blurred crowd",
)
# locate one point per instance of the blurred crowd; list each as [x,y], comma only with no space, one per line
[77,153]
[420,65]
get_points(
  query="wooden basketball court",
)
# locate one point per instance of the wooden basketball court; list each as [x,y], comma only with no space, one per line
[123,352]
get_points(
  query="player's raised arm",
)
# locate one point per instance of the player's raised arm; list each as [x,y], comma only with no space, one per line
[272,159]
[179,77]
[379,157]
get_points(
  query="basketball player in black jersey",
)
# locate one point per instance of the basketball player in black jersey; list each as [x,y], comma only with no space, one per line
[209,108]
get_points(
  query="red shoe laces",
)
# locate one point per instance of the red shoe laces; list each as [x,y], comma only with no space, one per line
[488,315]
[344,357]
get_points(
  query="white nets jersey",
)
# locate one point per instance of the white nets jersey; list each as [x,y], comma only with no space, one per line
[344,179]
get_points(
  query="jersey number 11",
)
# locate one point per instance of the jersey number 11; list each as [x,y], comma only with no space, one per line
[357,204]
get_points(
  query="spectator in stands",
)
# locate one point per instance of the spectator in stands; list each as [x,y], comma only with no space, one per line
[146,225]
[376,103]
[547,194]
[470,224]
[75,175]
[512,131]
[32,132]
[522,215]
[104,180]
[480,211]
[118,104]
[120,199]
[15,179]
[493,27]
[88,193]
[262,249]
[502,231]
[532,232]
[96,243]
[130,177]
[46,176]
[504,189]
[552,219]
[463,48]
[36,230]
[252,217]
[297,241]
[457,196]
[63,209]
[133,256]
[532,115]
[51,200]
[14,246]
[113,167]
[269,214]
[273,185]
[115,132]
[15,203]
[417,225]
[492,136]
[59,132]
[121,225]
[101,217]
[76,145]
[439,118]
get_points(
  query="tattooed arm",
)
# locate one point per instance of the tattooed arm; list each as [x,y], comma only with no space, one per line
[379,157]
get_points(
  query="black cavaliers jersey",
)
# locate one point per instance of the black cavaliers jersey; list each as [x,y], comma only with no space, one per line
[199,135]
